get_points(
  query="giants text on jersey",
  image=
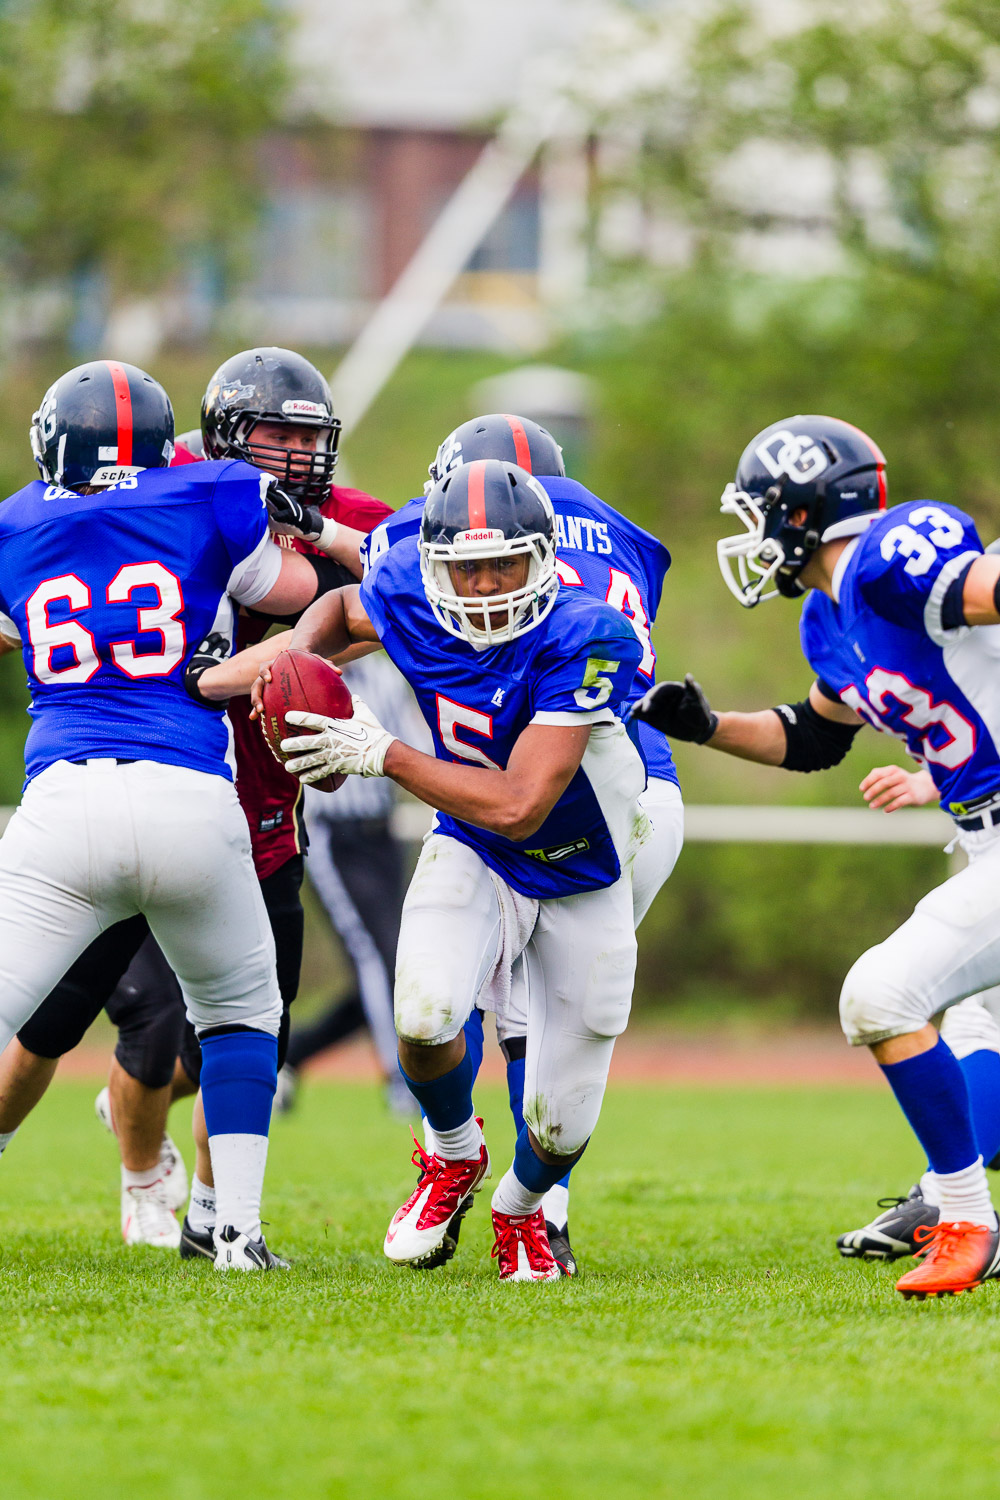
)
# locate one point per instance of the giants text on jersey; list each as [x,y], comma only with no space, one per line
[111,593]
[884,649]
[601,552]
[574,668]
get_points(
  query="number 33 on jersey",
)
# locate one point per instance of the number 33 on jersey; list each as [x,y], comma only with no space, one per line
[108,594]
[891,649]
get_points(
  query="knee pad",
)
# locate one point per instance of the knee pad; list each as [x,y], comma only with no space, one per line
[874,1006]
[969,1027]
[559,1126]
[607,999]
[148,1051]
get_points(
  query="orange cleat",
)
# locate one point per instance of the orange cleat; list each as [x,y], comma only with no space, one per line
[956,1258]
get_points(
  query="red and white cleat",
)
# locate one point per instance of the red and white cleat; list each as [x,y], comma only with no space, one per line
[419,1231]
[957,1257]
[522,1248]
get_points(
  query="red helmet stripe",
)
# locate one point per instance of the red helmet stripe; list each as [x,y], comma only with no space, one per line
[123,409]
[522,451]
[477,494]
[879,462]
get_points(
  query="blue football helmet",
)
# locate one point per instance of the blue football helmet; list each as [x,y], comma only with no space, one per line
[820,465]
[101,423]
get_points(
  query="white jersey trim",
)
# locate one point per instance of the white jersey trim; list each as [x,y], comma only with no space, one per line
[935,601]
[561,720]
[254,578]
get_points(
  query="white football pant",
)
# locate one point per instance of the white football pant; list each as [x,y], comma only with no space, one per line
[579,968]
[96,842]
[949,949]
[652,866]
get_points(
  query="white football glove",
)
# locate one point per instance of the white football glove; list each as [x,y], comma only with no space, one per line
[354,747]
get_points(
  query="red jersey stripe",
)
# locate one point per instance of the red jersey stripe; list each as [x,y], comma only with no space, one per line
[123,407]
[477,494]
[522,452]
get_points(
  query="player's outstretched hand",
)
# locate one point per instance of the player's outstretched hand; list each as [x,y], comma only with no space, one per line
[354,747]
[289,517]
[891,787]
[678,709]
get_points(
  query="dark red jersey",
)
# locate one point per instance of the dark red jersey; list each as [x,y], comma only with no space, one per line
[271,798]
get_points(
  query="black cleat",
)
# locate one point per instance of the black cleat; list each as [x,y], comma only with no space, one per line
[893,1234]
[444,1252]
[195,1243]
[561,1248]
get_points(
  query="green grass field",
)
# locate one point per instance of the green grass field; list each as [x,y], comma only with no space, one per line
[713,1345]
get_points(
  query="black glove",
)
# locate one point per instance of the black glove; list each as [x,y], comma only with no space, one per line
[289,517]
[679,709]
[213,649]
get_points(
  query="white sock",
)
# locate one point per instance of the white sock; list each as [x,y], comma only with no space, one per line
[461,1144]
[430,1139]
[512,1197]
[238,1163]
[142,1179]
[201,1209]
[555,1206]
[965,1196]
[929,1187]
[6,1137]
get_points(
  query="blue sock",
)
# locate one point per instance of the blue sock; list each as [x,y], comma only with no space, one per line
[239,1072]
[445,1102]
[474,1041]
[515,1093]
[531,1172]
[981,1071]
[931,1091]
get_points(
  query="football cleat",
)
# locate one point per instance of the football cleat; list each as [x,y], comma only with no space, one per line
[196,1243]
[891,1235]
[286,1090]
[445,1251]
[171,1162]
[956,1258]
[561,1248]
[148,1219]
[417,1233]
[522,1248]
[238,1252]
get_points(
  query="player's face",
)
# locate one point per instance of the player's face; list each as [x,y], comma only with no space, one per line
[291,438]
[480,578]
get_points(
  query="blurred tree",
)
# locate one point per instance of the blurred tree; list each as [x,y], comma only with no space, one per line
[127,131]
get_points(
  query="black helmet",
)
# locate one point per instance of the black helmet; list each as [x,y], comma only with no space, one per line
[517,440]
[482,511]
[272,385]
[101,423]
[831,469]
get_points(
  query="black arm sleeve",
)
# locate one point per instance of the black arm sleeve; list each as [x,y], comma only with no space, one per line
[330,575]
[813,743]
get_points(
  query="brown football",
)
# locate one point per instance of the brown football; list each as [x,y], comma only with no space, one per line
[304,683]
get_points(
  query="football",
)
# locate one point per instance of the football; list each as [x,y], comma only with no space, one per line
[305,683]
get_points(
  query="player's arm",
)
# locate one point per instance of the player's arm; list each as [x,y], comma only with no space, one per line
[981,592]
[514,802]
[7,645]
[807,736]
[288,516]
[333,623]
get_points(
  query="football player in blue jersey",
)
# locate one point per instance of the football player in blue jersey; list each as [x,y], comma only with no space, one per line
[609,557]
[523,684]
[899,628]
[113,567]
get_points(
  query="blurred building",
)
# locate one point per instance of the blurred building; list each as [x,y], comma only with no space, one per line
[396,100]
